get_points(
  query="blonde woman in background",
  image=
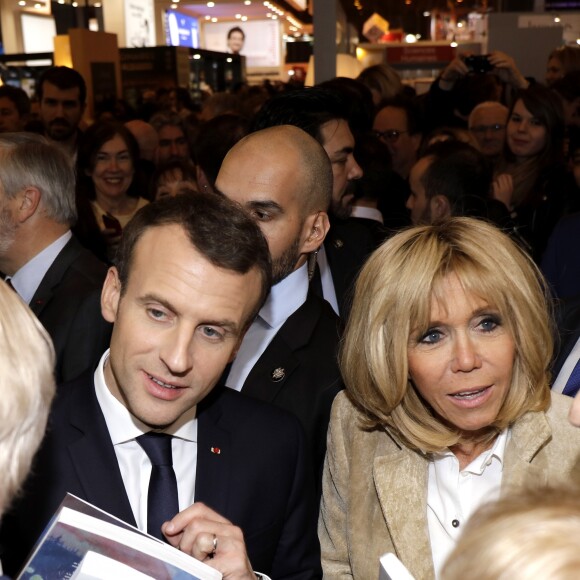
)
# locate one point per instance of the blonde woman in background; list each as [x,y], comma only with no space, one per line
[525,536]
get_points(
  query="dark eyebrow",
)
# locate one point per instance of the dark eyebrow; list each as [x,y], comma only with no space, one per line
[229,326]
[266,204]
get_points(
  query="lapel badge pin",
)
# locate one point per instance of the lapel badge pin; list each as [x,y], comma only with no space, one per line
[216,450]
[338,243]
[278,374]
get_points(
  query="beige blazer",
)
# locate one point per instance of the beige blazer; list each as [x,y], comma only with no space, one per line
[375,489]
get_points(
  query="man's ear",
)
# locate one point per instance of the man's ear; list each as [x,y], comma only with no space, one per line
[111,295]
[28,202]
[316,227]
[440,207]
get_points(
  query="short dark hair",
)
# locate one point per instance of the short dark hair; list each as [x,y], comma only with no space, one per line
[309,109]
[413,112]
[462,174]
[219,229]
[236,29]
[18,97]
[63,78]
[215,138]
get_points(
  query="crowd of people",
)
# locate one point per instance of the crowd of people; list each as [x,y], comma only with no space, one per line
[347,316]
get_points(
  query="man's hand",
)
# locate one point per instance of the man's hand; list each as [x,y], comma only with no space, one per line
[506,69]
[503,188]
[211,538]
[455,70]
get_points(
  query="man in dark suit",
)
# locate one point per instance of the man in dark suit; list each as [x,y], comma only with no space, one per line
[324,115]
[565,375]
[282,176]
[191,274]
[46,265]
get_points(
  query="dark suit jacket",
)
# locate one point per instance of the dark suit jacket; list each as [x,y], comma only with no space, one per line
[568,324]
[561,261]
[348,244]
[299,372]
[68,304]
[257,481]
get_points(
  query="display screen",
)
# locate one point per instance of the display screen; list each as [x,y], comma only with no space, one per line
[181,29]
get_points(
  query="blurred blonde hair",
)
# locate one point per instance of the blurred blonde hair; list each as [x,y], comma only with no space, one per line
[27,386]
[382,80]
[529,535]
[393,298]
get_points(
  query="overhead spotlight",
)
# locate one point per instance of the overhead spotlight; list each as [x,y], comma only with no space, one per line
[268,15]
[244,18]
[214,19]
[578,41]
[247,2]
[22,3]
[453,44]
[173,6]
[274,17]
[196,56]
[75,4]
[210,4]
[291,73]
[229,59]
[426,14]
[208,17]
[460,25]
[556,19]
[238,16]
[98,4]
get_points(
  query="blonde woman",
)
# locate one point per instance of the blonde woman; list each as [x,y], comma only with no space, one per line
[447,404]
[27,387]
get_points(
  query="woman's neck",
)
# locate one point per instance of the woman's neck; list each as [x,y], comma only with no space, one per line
[467,451]
[116,206]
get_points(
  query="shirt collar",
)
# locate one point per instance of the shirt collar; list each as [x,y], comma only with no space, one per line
[478,465]
[123,426]
[286,297]
[27,280]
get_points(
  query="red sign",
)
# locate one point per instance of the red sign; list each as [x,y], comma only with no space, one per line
[420,54]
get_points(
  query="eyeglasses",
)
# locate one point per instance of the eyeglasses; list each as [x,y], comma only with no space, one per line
[391,135]
[485,128]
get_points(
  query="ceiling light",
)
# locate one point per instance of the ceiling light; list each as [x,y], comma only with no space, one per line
[210,4]
[196,56]
[22,3]
[426,14]
[557,19]
[244,18]
[238,16]
[75,4]
[214,19]
[229,59]
[247,2]
[208,17]
[274,17]
[98,4]
[453,44]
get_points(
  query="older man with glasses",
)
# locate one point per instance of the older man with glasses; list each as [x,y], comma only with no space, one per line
[487,123]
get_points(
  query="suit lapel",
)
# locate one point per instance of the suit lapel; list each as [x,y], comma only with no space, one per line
[93,456]
[529,435]
[214,448]
[278,361]
[404,507]
[54,275]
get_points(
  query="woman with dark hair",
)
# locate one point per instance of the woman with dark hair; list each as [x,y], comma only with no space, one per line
[106,201]
[532,180]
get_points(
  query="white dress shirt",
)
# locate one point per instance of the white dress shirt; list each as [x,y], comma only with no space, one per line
[567,368]
[134,463]
[27,280]
[454,495]
[368,213]
[285,298]
[328,291]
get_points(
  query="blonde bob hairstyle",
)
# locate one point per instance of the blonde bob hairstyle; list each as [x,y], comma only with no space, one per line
[392,303]
[529,535]
[27,386]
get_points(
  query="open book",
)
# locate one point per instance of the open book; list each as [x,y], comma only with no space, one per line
[83,542]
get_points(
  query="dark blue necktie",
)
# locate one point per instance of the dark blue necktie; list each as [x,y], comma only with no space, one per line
[162,502]
[573,383]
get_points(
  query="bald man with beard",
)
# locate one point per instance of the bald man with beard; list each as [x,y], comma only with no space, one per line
[283,178]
